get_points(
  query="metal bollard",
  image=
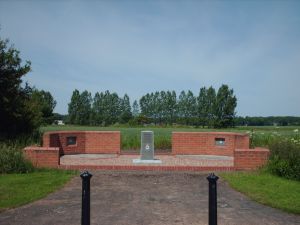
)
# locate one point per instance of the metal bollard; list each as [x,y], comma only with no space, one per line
[85,210]
[212,199]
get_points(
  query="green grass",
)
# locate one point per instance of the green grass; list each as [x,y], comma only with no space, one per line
[262,136]
[20,189]
[267,189]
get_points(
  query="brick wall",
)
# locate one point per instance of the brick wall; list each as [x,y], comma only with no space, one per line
[86,141]
[249,159]
[104,142]
[203,143]
[43,156]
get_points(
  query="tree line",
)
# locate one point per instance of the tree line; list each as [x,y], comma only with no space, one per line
[267,121]
[104,109]
[208,108]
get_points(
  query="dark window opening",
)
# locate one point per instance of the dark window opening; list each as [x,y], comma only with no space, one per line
[71,140]
[220,141]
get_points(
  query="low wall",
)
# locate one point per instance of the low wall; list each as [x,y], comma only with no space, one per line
[249,159]
[78,142]
[43,156]
[204,143]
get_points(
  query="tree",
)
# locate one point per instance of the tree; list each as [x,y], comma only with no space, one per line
[45,104]
[125,109]
[84,109]
[145,105]
[97,117]
[170,105]
[211,106]
[73,107]
[225,107]
[135,108]
[80,110]
[187,107]
[17,114]
[202,107]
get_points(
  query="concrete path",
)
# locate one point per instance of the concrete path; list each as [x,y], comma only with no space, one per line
[150,198]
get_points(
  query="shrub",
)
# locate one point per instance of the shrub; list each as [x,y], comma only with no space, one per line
[285,159]
[12,159]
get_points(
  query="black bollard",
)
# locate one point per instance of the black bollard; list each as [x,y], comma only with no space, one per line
[212,199]
[85,210]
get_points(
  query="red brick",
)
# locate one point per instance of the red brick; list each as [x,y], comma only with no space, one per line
[249,159]
[203,143]
[86,141]
[43,156]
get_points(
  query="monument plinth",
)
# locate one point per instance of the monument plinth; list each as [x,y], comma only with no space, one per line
[147,148]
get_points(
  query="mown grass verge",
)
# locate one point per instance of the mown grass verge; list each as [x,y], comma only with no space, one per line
[267,189]
[20,189]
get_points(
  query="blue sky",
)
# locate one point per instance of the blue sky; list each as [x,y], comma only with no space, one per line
[136,47]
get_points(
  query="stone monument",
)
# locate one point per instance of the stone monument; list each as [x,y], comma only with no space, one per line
[147,145]
[147,148]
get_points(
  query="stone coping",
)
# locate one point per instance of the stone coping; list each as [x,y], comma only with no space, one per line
[79,132]
[260,149]
[41,148]
[210,133]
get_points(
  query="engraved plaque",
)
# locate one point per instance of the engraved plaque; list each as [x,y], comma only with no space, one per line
[147,145]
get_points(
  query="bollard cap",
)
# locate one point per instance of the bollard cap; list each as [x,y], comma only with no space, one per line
[212,177]
[86,174]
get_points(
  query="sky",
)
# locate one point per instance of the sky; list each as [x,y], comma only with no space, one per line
[137,47]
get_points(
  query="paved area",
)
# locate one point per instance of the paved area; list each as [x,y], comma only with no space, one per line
[138,198]
[127,160]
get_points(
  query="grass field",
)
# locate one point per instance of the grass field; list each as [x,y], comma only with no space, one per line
[20,189]
[261,136]
[267,189]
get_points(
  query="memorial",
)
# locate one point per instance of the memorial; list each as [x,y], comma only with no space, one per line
[147,148]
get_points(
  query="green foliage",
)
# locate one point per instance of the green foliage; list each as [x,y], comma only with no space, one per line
[187,107]
[211,104]
[73,107]
[108,108]
[268,121]
[12,159]
[202,107]
[80,108]
[16,115]
[224,107]
[45,104]
[22,109]
[160,108]
[285,158]
[267,189]
[125,110]
[135,109]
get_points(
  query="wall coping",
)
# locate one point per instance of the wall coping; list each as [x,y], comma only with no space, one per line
[258,149]
[79,132]
[211,133]
[41,148]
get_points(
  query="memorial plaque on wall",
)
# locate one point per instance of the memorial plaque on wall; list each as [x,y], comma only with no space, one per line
[147,145]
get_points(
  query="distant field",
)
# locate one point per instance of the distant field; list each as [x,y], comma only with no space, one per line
[131,136]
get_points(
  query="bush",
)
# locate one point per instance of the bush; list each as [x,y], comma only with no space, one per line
[285,159]
[12,159]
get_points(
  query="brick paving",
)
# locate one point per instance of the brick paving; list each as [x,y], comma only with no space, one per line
[169,162]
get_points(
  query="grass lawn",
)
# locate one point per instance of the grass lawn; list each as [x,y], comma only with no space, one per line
[267,189]
[20,189]
[131,136]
